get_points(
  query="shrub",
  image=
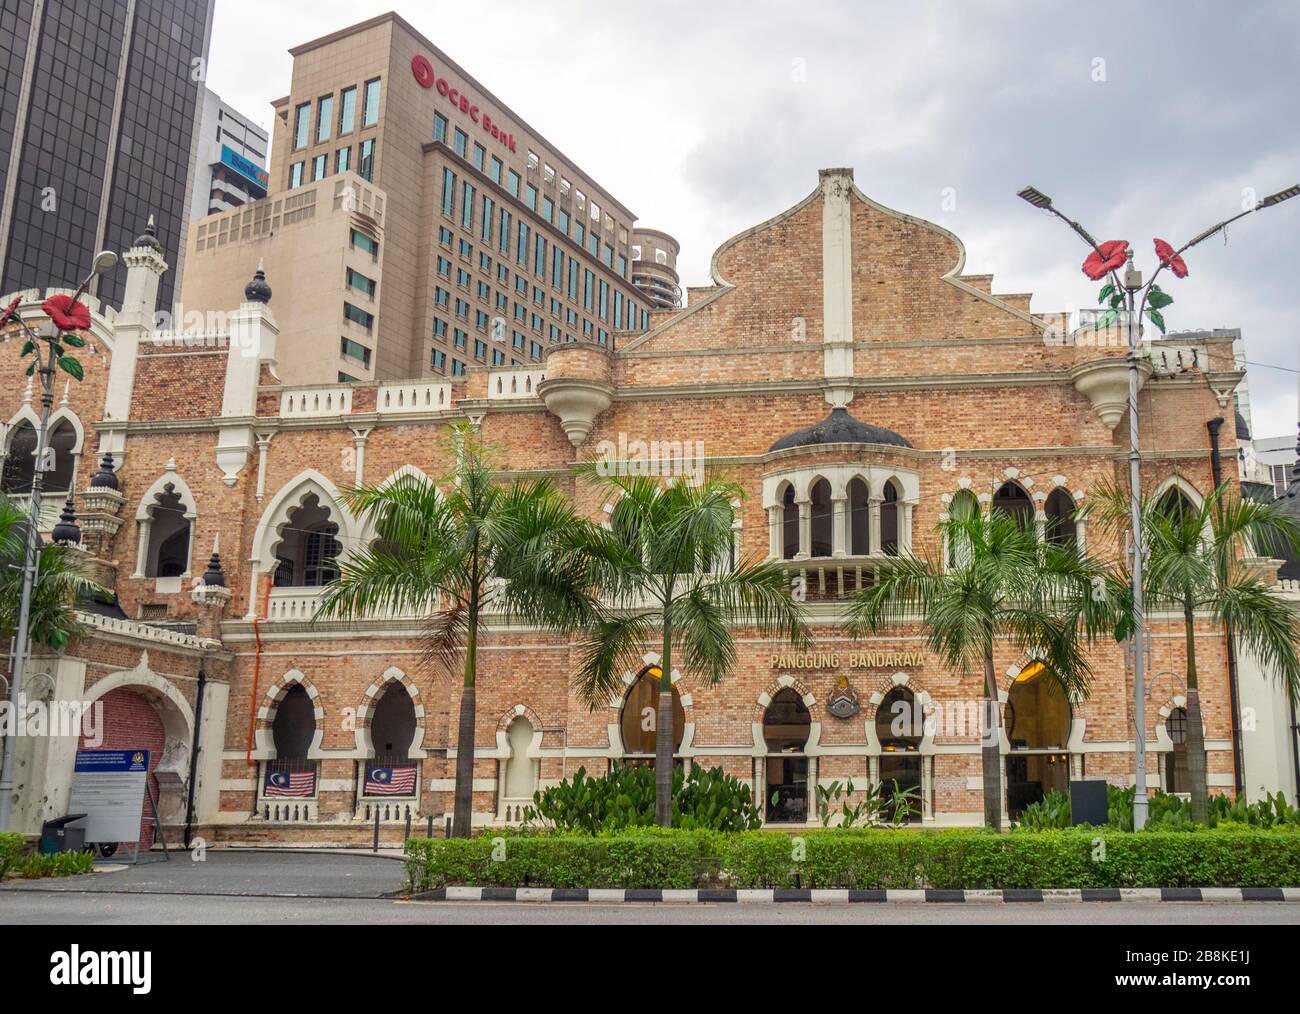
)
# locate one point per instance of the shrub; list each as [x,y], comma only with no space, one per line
[625,798]
[11,847]
[1240,856]
[56,864]
[637,858]
[1165,812]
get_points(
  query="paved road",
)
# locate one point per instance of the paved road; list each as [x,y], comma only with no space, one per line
[102,909]
[250,873]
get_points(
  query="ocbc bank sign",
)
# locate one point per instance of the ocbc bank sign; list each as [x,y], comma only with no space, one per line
[428,78]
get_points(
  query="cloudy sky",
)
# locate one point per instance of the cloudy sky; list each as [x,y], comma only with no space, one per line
[1139,119]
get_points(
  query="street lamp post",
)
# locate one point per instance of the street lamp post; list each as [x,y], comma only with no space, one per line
[1130,292]
[45,367]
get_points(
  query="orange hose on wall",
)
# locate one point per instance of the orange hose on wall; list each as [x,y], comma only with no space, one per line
[258,615]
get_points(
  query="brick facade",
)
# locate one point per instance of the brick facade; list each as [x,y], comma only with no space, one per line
[904,342]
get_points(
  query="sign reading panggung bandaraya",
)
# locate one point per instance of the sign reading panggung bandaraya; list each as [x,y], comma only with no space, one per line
[849,660]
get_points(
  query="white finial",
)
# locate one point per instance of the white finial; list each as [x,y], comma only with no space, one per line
[261,264]
[216,544]
[67,390]
[170,466]
[27,395]
[151,225]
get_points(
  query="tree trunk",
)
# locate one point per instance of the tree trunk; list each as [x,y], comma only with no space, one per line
[664,736]
[990,751]
[463,810]
[1195,730]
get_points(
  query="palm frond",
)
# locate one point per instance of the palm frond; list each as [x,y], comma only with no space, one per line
[614,645]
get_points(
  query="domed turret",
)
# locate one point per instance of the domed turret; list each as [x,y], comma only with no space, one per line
[148,238]
[258,291]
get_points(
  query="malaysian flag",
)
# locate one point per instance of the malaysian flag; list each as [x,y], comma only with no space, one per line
[390,781]
[290,784]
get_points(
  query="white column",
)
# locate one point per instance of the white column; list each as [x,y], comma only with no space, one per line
[837,284]
[873,504]
[805,529]
[775,532]
[142,548]
[839,528]
[905,527]
[263,445]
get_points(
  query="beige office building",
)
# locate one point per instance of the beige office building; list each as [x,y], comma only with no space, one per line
[415,226]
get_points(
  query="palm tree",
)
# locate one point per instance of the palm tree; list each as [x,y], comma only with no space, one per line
[60,585]
[1195,561]
[482,547]
[1001,583]
[669,560]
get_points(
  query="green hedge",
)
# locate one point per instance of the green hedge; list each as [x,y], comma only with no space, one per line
[11,847]
[971,859]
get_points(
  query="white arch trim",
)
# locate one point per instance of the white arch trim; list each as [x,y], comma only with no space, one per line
[173,709]
[365,744]
[267,535]
[263,736]
[171,478]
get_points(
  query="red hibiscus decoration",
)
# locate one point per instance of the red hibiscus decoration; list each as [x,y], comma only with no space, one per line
[1170,259]
[1108,257]
[7,313]
[67,315]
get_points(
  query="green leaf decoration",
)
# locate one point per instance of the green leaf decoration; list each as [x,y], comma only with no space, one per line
[74,340]
[28,348]
[1105,320]
[31,367]
[69,365]
[1106,291]
[1157,318]
[1117,301]
[1158,299]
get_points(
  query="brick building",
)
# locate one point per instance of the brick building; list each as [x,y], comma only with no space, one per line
[840,367]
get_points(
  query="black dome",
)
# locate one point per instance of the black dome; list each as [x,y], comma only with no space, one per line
[257,291]
[106,477]
[1243,427]
[840,428]
[148,238]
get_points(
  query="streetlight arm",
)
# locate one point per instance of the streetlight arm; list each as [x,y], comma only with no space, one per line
[1086,236]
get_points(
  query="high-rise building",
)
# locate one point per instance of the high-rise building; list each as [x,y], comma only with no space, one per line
[389,159]
[100,98]
[230,163]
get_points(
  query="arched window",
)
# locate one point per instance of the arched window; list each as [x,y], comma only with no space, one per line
[392,773]
[1038,730]
[1176,776]
[821,518]
[519,779]
[1061,529]
[165,542]
[392,726]
[789,524]
[640,715]
[20,460]
[859,518]
[786,727]
[1175,505]
[1012,499]
[964,506]
[900,726]
[889,520]
[308,554]
[291,775]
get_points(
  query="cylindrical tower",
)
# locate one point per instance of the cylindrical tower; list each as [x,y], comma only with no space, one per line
[654,268]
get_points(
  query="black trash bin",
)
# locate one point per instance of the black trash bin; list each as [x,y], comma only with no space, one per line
[56,836]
